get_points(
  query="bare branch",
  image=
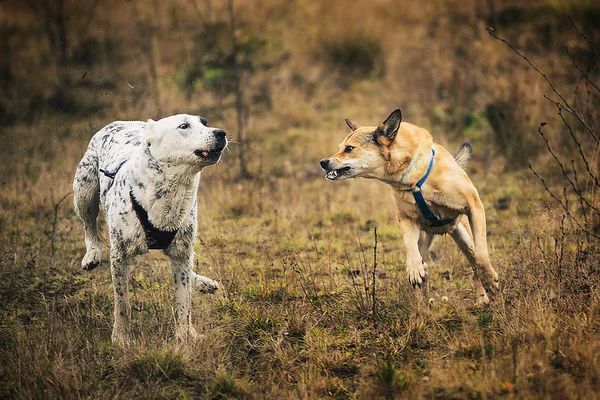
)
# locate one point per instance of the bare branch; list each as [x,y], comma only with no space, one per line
[583,74]
[565,104]
[566,210]
[584,37]
[583,157]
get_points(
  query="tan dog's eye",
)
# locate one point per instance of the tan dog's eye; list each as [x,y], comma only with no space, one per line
[348,149]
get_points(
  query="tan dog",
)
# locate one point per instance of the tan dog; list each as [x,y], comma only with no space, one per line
[405,157]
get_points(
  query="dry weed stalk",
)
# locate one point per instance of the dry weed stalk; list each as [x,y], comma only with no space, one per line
[579,119]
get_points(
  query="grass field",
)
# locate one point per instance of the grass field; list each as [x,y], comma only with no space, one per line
[315,302]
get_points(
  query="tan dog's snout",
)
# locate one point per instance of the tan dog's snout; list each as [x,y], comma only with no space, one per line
[325,164]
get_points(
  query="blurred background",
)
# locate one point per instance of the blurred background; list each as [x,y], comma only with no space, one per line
[298,316]
[280,76]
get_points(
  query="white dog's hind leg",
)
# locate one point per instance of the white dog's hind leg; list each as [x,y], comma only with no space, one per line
[462,237]
[119,266]
[203,284]
[86,194]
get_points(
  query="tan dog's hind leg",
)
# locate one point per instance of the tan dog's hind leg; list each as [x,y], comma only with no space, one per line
[482,258]
[415,267]
[425,240]
[462,237]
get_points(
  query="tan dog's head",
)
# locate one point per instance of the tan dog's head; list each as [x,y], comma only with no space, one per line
[364,152]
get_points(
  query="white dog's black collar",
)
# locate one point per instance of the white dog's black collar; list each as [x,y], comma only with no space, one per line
[155,238]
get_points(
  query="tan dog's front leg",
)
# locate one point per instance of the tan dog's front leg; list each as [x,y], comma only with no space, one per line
[425,239]
[415,267]
[482,257]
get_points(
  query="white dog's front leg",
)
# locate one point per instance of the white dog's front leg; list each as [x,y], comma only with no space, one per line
[182,281]
[415,266]
[119,267]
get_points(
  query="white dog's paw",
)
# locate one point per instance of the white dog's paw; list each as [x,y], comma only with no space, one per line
[186,333]
[416,274]
[204,284]
[91,259]
[121,338]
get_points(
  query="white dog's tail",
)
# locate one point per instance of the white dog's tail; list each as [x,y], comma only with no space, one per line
[86,196]
[464,155]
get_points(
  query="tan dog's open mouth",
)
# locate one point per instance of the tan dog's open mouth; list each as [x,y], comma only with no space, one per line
[337,174]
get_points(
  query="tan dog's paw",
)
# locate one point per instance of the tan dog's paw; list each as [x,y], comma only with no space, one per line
[482,297]
[417,274]
[491,282]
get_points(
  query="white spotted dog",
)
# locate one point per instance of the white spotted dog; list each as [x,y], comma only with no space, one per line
[146,177]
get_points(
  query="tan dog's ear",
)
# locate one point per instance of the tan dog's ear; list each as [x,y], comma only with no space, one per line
[353,125]
[386,131]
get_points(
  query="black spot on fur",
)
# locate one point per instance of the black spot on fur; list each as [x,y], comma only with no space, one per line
[160,193]
[90,266]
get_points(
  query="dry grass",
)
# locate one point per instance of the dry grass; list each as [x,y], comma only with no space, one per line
[294,319]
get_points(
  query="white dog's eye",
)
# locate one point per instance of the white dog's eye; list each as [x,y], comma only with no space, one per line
[348,149]
[183,126]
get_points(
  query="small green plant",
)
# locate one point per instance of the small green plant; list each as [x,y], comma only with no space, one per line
[390,381]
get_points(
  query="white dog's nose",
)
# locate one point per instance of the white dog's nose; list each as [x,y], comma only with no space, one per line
[221,140]
[219,133]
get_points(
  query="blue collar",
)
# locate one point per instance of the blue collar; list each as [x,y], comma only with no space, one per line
[422,204]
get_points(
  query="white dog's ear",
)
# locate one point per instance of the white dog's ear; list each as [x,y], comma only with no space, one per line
[388,128]
[150,135]
[353,125]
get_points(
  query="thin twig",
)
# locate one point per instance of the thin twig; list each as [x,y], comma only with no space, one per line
[55,222]
[583,74]
[564,103]
[562,168]
[583,157]
[374,304]
[583,36]
[581,199]
[561,203]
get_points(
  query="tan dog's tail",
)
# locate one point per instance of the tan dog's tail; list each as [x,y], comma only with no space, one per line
[464,155]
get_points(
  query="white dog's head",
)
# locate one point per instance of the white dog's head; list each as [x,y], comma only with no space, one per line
[185,139]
